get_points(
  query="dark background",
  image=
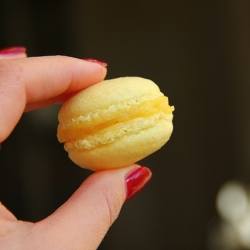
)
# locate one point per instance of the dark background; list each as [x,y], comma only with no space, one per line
[198,52]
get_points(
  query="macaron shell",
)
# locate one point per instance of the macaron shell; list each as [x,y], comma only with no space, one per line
[107,93]
[126,150]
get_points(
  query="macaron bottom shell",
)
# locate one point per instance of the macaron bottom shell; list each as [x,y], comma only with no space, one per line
[124,150]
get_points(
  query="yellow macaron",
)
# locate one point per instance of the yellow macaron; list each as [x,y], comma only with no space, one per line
[115,123]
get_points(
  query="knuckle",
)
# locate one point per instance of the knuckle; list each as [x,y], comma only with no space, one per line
[113,203]
[10,70]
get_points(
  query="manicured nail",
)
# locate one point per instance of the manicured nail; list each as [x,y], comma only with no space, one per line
[136,181]
[104,64]
[12,51]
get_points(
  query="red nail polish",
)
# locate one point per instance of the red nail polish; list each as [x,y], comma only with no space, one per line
[12,51]
[104,64]
[137,180]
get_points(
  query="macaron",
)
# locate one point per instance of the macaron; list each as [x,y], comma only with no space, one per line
[115,123]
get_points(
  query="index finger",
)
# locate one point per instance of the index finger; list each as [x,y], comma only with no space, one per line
[32,83]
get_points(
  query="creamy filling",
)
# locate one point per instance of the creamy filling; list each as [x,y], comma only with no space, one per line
[83,127]
[117,131]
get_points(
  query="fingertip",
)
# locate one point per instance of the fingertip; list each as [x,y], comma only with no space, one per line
[102,63]
[136,181]
[13,52]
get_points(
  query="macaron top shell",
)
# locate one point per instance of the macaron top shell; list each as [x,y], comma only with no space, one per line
[108,115]
[107,93]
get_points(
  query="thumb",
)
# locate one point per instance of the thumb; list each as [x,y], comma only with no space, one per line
[83,221]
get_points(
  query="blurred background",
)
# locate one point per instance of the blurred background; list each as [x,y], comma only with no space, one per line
[198,52]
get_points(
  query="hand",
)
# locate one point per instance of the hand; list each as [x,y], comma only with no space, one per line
[82,222]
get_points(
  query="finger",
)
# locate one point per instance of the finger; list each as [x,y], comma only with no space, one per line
[32,83]
[83,221]
[12,231]
[13,53]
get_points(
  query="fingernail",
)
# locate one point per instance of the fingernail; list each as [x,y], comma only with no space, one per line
[136,181]
[104,64]
[12,51]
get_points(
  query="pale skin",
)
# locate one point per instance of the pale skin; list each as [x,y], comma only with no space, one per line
[82,222]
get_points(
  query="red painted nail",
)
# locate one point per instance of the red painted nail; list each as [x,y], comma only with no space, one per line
[136,181]
[104,64]
[12,51]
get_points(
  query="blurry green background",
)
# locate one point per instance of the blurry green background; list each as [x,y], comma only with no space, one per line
[198,52]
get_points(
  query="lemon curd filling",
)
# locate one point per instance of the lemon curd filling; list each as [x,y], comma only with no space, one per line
[85,126]
[138,125]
